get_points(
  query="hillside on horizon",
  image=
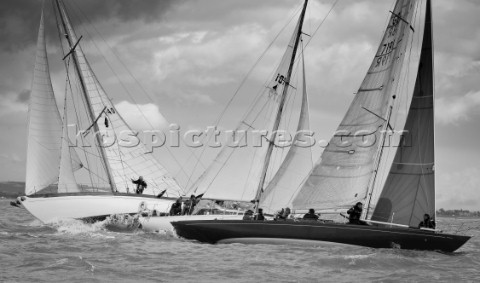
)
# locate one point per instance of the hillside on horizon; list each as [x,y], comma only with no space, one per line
[12,189]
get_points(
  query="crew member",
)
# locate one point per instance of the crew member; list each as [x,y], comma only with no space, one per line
[259,215]
[427,222]
[176,208]
[355,212]
[141,185]
[311,215]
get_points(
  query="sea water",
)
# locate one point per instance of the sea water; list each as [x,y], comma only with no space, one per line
[72,251]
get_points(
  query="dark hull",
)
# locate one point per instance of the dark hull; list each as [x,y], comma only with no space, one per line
[214,231]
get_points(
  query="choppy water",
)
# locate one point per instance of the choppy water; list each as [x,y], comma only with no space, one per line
[76,252]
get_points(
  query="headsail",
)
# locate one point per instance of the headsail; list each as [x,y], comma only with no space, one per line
[409,191]
[44,125]
[295,168]
[344,175]
[123,163]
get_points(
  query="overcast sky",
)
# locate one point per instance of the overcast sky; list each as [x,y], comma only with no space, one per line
[190,56]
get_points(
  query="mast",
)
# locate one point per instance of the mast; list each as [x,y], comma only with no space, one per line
[70,38]
[276,124]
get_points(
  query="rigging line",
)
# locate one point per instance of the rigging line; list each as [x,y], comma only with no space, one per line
[229,155]
[96,83]
[105,182]
[93,147]
[222,113]
[321,23]
[269,105]
[75,109]
[266,105]
[64,124]
[182,169]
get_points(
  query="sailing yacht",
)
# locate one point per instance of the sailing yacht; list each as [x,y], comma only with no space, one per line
[238,173]
[349,171]
[55,167]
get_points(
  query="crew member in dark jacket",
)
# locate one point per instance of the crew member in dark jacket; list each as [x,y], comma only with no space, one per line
[427,222]
[259,215]
[190,205]
[310,215]
[355,212]
[141,185]
[176,208]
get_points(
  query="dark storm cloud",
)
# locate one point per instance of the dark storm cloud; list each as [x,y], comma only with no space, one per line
[19,18]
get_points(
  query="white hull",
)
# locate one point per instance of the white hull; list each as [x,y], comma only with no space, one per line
[52,208]
[164,223]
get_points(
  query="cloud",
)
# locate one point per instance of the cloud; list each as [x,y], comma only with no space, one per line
[11,157]
[24,95]
[19,18]
[10,105]
[142,116]
[455,110]
[196,99]
[458,189]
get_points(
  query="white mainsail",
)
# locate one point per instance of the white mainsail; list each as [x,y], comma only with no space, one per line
[409,191]
[236,172]
[295,168]
[344,175]
[44,125]
[123,163]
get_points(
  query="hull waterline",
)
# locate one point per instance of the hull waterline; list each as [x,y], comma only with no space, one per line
[369,236]
[90,206]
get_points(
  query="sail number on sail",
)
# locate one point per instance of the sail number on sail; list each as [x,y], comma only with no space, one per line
[387,48]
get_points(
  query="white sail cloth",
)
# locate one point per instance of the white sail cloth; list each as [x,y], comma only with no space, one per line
[294,169]
[345,172]
[44,125]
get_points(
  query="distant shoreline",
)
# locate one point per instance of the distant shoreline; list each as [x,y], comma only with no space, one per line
[12,190]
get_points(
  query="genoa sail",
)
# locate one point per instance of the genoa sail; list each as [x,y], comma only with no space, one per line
[344,174]
[294,169]
[409,191]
